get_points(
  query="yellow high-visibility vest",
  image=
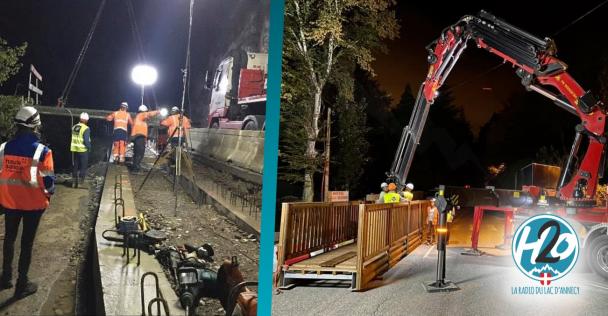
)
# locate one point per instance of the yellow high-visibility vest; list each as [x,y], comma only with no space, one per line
[408,195]
[78,138]
[392,197]
[450,216]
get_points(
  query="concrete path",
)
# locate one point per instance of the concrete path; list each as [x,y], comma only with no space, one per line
[120,281]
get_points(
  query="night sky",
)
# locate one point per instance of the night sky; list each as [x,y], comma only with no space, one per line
[580,46]
[56,30]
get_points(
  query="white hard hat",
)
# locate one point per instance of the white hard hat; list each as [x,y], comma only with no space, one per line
[124,105]
[84,116]
[383,185]
[174,109]
[28,116]
[142,108]
[410,186]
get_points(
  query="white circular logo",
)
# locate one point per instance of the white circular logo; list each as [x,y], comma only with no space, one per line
[545,248]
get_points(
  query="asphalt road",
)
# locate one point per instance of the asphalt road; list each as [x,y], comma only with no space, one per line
[485,286]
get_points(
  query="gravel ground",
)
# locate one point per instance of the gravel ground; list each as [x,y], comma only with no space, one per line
[195,225]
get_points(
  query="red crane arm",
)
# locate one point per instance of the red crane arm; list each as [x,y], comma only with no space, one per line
[536,64]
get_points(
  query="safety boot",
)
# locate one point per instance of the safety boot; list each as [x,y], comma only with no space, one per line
[25,288]
[5,282]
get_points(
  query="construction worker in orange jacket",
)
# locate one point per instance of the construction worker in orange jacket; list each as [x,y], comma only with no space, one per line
[139,134]
[172,123]
[122,120]
[27,181]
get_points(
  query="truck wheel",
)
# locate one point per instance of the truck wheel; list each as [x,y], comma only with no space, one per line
[251,125]
[215,124]
[598,256]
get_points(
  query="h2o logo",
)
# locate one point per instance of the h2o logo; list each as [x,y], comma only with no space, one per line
[545,248]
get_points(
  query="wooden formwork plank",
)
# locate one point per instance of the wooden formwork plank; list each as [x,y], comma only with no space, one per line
[374,268]
[350,264]
[339,259]
[283,232]
[316,263]
[360,246]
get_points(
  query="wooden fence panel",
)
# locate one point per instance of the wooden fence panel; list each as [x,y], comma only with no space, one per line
[387,233]
[309,227]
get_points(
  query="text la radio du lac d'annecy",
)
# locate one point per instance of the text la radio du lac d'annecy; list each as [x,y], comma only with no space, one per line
[545,248]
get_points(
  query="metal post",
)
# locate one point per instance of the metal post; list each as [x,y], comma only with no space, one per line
[36,92]
[180,129]
[142,94]
[441,284]
[29,82]
[325,192]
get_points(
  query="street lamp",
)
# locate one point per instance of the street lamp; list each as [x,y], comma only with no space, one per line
[144,75]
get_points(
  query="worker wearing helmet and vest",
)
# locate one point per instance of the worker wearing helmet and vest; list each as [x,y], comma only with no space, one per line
[122,120]
[27,181]
[384,188]
[80,148]
[139,134]
[172,123]
[407,192]
[392,196]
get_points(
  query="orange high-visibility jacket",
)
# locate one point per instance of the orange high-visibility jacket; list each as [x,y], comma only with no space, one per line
[26,174]
[121,119]
[140,126]
[172,122]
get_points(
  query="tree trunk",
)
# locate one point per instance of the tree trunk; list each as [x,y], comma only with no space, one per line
[311,152]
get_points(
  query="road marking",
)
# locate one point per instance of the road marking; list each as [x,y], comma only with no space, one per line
[597,285]
[434,247]
[601,287]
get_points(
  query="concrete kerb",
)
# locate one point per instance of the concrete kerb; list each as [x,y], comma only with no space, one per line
[244,149]
[119,281]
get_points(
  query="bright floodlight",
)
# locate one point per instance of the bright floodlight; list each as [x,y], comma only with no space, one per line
[164,112]
[144,75]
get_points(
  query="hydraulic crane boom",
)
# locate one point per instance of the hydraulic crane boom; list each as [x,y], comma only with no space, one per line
[537,66]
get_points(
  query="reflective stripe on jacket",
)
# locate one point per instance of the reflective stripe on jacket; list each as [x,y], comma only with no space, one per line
[121,119]
[26,174]
[392,197]
[78,142]
[140,126]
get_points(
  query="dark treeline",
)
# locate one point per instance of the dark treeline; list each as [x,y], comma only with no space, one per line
[528,129]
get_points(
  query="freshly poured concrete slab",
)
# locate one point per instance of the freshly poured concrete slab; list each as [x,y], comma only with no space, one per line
[121,281]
